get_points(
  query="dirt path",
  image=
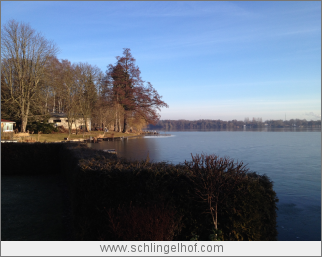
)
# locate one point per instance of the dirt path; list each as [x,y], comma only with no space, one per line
[35,208]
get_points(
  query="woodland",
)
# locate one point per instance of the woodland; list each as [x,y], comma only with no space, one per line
[35,84]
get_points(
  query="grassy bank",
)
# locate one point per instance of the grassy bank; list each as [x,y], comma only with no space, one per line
[58,137]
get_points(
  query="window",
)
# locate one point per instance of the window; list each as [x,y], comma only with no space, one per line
[57,121]
[8,127]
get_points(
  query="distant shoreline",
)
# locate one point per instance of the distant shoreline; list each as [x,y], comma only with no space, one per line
[243,130]
[168,125]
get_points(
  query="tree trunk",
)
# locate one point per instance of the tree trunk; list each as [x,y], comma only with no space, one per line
[214,216]
[60,105]
[24,117]
[24,120]
[70,125]
[125,122]
[119,124]
[85,119]
[46,105]
[115,124]
[216,225]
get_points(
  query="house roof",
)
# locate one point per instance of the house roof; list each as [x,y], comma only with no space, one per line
[63,115]
[58,115]
[7,121]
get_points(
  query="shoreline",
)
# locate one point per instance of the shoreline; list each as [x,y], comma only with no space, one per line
[65,137]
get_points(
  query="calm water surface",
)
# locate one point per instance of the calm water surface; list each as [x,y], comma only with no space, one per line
[291,159]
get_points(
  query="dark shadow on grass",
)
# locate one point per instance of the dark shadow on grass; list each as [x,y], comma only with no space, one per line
[35,208]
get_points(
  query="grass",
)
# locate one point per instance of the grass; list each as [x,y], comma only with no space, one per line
[58,137]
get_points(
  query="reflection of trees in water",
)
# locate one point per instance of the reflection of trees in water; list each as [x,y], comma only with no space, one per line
[134,149]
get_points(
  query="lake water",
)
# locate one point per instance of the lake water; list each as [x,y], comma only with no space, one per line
[291,159]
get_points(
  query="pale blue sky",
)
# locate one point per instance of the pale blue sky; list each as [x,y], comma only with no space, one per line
[209,60]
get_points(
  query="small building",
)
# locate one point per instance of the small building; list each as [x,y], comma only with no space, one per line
[60,119]
[7,125]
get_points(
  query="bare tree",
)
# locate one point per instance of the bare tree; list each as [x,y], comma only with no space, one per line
[24,54]
[103,113]
[215,179]
[71,94]
[87,77]
[53,89]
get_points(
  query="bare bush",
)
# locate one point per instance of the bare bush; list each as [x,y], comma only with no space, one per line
[215,178]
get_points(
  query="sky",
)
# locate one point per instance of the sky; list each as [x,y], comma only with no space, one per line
[208,60]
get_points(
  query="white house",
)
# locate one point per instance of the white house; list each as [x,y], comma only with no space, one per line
[60,119]
[7,125]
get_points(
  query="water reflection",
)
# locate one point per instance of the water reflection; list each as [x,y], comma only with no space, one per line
[131,148]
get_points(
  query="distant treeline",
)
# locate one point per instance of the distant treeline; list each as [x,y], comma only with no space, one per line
[233,124]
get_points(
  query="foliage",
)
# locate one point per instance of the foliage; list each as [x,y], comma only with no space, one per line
[143,185]
[194,237]
[216,235]
[43,127]
[34,83]
[241,221]
[144,223]
[128,94]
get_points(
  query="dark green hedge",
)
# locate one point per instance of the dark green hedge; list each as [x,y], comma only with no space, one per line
[43,127]
[114,199]
[109,194]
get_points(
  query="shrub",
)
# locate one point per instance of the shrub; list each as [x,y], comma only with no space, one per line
[144,223]
[237,200]
[44,127]
[215,179]
[7,135]
[113,191]
[116,199]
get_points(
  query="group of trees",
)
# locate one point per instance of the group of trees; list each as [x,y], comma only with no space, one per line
[232,124]
[128,96]
[35,83]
